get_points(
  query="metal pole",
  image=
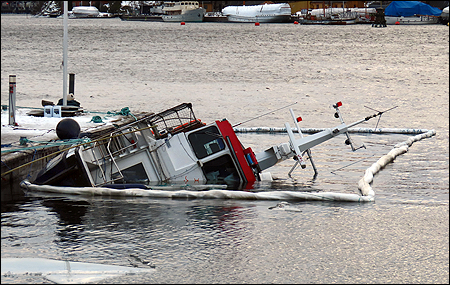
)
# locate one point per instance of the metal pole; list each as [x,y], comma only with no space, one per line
[308,151]
[72,83]
[12,100]
[65,53]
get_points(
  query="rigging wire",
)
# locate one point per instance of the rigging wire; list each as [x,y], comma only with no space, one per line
[380,113]
[264,114]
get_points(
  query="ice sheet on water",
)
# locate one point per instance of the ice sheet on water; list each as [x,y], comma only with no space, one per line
[40,128]
[65,272]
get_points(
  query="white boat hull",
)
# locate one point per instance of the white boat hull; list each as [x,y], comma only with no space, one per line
[85,11]
[267,13]
[195,15]
[414,20]
[259,19]
[327,22]
[444,14]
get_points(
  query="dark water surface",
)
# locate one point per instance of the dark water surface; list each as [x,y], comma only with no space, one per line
[240,71]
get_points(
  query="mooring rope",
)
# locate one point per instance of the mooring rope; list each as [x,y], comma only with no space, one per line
[45,144]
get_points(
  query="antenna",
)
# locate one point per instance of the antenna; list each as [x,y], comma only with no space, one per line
[264,114]
[349,140]
[380,113]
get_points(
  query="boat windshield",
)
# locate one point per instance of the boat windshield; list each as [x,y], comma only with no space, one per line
[206,141]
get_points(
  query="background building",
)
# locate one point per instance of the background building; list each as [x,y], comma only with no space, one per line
[117,7]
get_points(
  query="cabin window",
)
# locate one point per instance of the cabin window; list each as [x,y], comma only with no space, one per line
[206,142]
[221,170]
[133,174]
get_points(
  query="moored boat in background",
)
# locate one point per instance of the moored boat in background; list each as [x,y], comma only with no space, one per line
[444,15]
[151,18]
[411,13]
[214,17]
[85,11]
[329,16]
[265,13]
[183,11]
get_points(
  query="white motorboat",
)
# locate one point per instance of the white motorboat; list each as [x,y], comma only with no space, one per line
[444,15]
[412,20]
[364,15]
[85,12]
[265,13]
[174,147]
[183,11]
[411,13]
[329,16]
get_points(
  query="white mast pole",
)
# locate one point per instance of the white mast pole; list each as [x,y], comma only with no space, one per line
[66,7]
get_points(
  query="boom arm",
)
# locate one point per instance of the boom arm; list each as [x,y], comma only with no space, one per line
[276,154]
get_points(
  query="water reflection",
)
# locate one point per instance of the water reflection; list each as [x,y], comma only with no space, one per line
[14,206]
[139,231]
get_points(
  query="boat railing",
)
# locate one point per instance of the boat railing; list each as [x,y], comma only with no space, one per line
[107,151]
[121,145]
[178,119]
[100,156]
[166,122]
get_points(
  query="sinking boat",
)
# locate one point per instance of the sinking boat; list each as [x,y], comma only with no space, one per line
[175,147]
[411,13]
[183,11]
[265,13]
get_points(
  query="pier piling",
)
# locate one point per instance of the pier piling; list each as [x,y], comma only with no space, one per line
[72,83]
[12,100]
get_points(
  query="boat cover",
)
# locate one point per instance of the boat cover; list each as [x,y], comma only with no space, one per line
[411,8]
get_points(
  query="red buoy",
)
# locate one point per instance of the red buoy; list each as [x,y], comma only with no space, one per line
[256,24]
[295,22]
[183,23]
[397,23]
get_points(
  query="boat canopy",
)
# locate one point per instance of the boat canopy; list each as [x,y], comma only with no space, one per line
[411,8]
